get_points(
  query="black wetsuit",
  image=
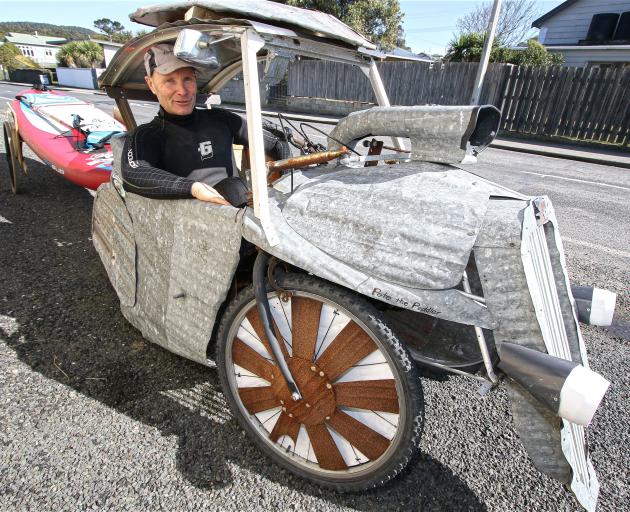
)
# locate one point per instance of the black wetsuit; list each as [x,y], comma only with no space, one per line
[159,156]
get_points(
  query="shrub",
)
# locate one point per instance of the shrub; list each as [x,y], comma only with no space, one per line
[80,54]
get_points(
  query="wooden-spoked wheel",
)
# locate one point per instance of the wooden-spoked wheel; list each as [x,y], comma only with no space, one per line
[9,149]
[360,419]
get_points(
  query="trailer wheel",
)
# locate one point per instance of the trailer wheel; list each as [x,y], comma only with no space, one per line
[12,162]
[360,420]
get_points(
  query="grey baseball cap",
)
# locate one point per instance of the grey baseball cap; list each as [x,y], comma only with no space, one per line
[161,58]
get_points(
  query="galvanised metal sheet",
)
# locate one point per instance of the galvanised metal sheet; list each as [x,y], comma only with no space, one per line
[412,224]
[437,133]
[112,235]
[318,23]
[184,254]
[293,248]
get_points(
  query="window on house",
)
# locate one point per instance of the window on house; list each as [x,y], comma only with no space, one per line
[602,27]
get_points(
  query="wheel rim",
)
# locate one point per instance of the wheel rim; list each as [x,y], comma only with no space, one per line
[351,416]
[8,148]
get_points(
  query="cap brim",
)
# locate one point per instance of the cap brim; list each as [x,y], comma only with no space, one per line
[169,67]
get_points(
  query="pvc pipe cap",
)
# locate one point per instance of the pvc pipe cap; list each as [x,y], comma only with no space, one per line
[602,307]
[581,394]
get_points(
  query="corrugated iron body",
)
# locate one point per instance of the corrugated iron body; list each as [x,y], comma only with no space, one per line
[526,289]
[508,297]
[557,323]
[412,224]
[318,23]
[113,238]
[184,256]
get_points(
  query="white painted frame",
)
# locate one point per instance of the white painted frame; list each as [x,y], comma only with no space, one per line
[251,43]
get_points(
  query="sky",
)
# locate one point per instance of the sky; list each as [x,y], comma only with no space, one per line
[429,24]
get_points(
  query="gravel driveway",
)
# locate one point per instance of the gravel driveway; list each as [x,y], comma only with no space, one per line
[92,416]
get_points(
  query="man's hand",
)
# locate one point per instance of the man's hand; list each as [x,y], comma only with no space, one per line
[206,193]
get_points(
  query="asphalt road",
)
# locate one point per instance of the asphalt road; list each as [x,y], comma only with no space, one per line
[92,416]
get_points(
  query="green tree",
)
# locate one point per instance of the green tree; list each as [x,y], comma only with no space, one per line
[109,27]
[378,20]
[8,54]
[80,54]
[11,58]
[536,55]
[469,47]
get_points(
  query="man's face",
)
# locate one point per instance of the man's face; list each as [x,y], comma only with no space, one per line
[176,91]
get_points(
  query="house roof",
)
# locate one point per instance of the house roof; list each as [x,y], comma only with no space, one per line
[402,54]
[537,23]
[17,38]
[102,42]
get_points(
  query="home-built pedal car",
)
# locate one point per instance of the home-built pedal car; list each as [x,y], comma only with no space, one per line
[367,266]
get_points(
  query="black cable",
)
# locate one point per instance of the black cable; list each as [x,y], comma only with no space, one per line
[328,135]
[308,142]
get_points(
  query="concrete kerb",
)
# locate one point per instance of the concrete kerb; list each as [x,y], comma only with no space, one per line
[566,152]
[59,88]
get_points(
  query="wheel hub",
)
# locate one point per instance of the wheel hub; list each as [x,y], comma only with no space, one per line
[318,402]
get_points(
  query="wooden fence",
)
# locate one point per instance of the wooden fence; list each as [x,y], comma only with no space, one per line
[588,104]
[406,83]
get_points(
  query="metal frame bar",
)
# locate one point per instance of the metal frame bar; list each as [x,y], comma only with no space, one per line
[126,113]
[251,43]
[381,95]
[481,339]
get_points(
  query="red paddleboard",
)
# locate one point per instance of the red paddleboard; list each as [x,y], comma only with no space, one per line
[45,121]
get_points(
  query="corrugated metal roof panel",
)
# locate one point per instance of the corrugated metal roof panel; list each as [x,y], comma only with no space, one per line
[18,38]
[317,23]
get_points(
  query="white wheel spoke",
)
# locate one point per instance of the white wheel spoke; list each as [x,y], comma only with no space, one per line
[331,323]
[248,336]
[351,455]
[246,379]
[269,418]
[281,312]
[377,371]
[384,423]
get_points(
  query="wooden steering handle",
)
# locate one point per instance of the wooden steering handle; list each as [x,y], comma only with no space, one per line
[305,160]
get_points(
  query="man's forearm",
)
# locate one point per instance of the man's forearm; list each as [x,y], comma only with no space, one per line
[154,182]
[140,177]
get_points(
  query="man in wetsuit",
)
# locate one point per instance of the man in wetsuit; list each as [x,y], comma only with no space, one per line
[184,152]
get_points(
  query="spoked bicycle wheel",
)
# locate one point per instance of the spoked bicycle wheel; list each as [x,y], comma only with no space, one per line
[360,420]
[12,162]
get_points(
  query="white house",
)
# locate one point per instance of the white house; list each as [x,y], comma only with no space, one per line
[588,32]
[41,49]
[109,49]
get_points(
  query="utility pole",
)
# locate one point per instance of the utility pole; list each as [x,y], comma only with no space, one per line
[487,50]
